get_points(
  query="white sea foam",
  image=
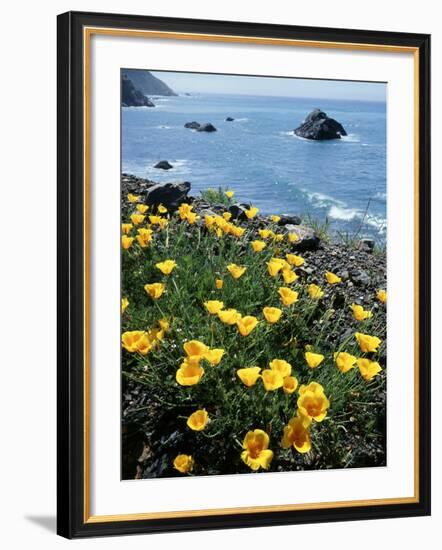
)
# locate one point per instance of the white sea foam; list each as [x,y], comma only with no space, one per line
[351,138]
[345,214]
[321,200]
[381,196]
[348,214]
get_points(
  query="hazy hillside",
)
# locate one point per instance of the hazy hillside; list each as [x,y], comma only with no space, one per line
[147,83]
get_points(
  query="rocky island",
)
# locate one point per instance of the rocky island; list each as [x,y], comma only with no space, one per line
[318,126]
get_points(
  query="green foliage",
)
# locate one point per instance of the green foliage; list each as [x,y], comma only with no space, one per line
[353,432]
[216,196]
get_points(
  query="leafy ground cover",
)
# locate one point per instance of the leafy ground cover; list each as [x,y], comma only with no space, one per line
[241,354]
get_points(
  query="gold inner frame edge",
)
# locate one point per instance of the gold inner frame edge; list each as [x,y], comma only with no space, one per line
[87,34]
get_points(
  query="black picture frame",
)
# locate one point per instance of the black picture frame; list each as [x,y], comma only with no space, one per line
[72,520]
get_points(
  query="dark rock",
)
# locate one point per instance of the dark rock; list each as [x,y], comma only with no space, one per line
[238,211]
[318,126]
[367,245]
[171,195]
[163,165]
[192,125]
[308,239]
[229,119]
[206,212]
[207,127]
[360,277]
[131,96]
[338,300]
[293,220]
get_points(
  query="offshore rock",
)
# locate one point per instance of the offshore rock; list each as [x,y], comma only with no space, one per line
[318,126]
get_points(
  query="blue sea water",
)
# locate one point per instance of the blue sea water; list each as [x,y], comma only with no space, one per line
[257,155]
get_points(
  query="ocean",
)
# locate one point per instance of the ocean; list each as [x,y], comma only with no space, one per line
[341,181]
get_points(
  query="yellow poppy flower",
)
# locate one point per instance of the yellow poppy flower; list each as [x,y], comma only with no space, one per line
[382,296]
[229,316]
[219,284]
[142,208]
[184,210]
[275,219]
[287,296]
[221,222]
[258,246]
[229,194]
[332,279]
[126,228]
[126,242]
[146,343]
[136,219]
[214,356]
[313,360]
[189,374]
[209,220]
[227,215]
[246,324]
[183,463]
[237,231]
[344,361]
[256,452]
[359,313]
[133,198]
[265,233]
[288,275]
[315,292]
[249,375]
[144,237]
[290,383]
[274,266]
[124,304]
[195,349]
[191,218]
[162,223]
[278,237]
[296,434]
[155,220]
[281,366]
[368,369]
[295,260]
[166,267]
[198,420]
[164,324]
[292,237]
[131,339]
[367,343]
[162,209]
[155,290]
[236,271]
[272,314]
[251,212]
[213,306]
[272,379]
[312,402]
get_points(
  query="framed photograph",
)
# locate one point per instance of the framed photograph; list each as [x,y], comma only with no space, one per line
[243,274]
